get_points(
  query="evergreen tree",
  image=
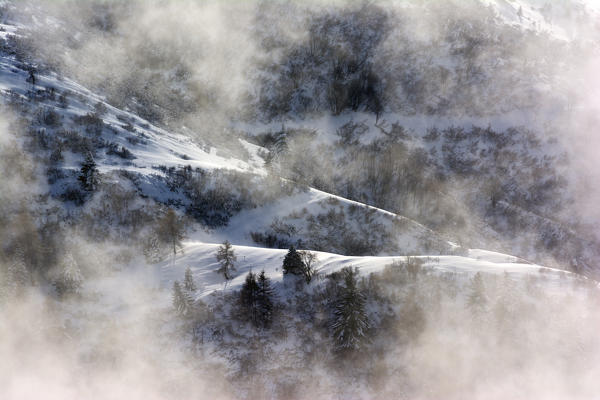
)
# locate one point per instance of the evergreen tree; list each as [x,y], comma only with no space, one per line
[226,257]
[182,301]
[170,230]
[292,263]
[70,279]
[188,281]
[256,299]
[350,322]
[249,297]
[88,177]
[265,302]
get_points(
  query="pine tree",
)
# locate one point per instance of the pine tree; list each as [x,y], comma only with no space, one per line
[292,263]
[256,299]
[170,230]
[249,297]
[182,301]
[188,281]
[265,302]
[350,323]
[226,257]
[88,177]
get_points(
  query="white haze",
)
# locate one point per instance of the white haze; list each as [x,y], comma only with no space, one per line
[120,340]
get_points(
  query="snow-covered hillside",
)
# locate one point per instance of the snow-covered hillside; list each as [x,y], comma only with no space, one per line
[200,257]
[299,200]
[131,146]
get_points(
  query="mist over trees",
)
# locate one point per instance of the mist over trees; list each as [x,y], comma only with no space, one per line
[155,156]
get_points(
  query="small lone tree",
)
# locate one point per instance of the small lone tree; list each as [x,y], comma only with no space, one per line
[350,322]
[31,77]
[170,231]
[88,176]
[188,281]
[226,257]
[292,263]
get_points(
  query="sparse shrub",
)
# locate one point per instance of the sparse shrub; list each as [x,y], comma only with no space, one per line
[119,151]
[93,123]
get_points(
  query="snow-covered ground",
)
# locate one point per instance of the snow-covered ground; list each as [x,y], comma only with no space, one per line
[200,258]
[156,146]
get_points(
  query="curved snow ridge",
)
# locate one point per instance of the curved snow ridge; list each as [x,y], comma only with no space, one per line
[201,259]
[325,195]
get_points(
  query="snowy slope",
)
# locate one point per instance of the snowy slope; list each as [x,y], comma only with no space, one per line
[151,147]
[295,209]
[200,257]
[156,146]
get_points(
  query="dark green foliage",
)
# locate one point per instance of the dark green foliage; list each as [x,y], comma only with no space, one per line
[350,321]
[249,296]
[256,299]
[265,302]
[292,263]
[88,177]
[226,257]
